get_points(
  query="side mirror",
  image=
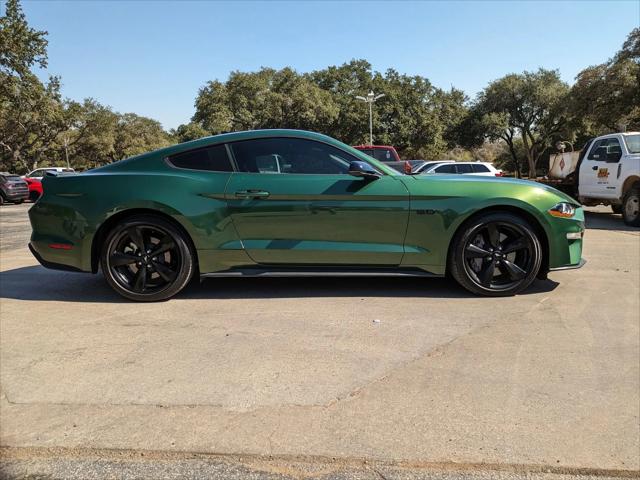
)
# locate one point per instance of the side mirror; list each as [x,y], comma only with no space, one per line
[364,170]
[613,157]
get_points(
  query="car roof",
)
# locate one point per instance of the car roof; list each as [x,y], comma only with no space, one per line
[373,146]
[250,135]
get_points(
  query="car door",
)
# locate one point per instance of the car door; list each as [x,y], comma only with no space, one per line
[597,176]
[309,210]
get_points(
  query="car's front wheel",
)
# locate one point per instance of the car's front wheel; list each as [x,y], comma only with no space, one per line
[146,258]
[495,254]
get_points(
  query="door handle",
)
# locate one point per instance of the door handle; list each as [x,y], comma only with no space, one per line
[252,194]
[595,167]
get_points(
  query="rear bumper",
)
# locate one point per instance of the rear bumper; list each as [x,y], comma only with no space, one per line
[15,196]
[52,265]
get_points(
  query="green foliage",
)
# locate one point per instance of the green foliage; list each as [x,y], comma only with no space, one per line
[265,99]
[606,97]
[21,47]
[189,131]
[529,106]
[413,115]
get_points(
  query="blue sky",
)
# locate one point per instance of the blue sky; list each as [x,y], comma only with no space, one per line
[151,57]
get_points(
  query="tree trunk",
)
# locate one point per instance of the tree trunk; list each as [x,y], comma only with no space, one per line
[514,155]
[531,161]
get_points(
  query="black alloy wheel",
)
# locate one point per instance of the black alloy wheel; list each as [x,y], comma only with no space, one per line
[496,254]
[147,258]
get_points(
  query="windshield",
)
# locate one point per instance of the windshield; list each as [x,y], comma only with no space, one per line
[633,143]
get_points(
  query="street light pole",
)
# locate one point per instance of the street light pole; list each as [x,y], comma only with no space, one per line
[370,99]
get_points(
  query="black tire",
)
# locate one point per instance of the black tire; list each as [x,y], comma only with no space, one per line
[1,199]
[34,196]
[631,207]
[495,254]
[147,258]
[617,209]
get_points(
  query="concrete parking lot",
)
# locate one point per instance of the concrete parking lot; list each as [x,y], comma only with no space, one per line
[280,378]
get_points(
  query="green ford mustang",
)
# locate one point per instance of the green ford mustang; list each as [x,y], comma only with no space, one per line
[295,203]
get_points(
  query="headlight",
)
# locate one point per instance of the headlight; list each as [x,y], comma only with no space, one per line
[562,210]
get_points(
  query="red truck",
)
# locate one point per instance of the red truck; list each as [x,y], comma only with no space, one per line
[388,155]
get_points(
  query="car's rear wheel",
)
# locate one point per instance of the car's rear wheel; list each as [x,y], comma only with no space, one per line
[495,254]
[146,258]
[631,207]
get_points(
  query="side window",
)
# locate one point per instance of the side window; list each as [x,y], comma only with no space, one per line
[290,155]
[451,168]
[604,146]
[464,168]
[211,158]
[479,168]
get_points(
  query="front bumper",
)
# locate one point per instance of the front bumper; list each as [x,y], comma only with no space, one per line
[580,264]
[566,238]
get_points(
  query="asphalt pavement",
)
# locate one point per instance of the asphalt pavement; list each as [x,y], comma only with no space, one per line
[322,378]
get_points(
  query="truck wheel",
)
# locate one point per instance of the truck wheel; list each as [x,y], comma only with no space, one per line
[631,210]
[616,209]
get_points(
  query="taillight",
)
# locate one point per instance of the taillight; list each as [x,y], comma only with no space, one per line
[499,174]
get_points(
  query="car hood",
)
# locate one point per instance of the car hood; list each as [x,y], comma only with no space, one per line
[459,181]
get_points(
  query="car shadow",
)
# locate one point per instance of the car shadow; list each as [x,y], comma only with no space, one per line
[597,220]
[36,283]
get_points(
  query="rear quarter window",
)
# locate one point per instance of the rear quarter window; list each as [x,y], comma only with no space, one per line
[214,159]
[480,168]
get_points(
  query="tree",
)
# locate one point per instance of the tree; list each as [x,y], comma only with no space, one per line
[189,131]
[530,107]
[135,134]
[21,47]
[606,97]
[31,114]
[91,135]
[265,99]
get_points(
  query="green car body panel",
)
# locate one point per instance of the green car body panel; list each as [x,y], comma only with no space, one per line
[308,219]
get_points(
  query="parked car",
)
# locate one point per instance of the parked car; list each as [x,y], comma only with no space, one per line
[484,169]
[216,207]
[35,188]
[12,188]
[38,173]
[606,171]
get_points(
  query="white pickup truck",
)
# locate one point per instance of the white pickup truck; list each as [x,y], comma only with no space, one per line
[606,171]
